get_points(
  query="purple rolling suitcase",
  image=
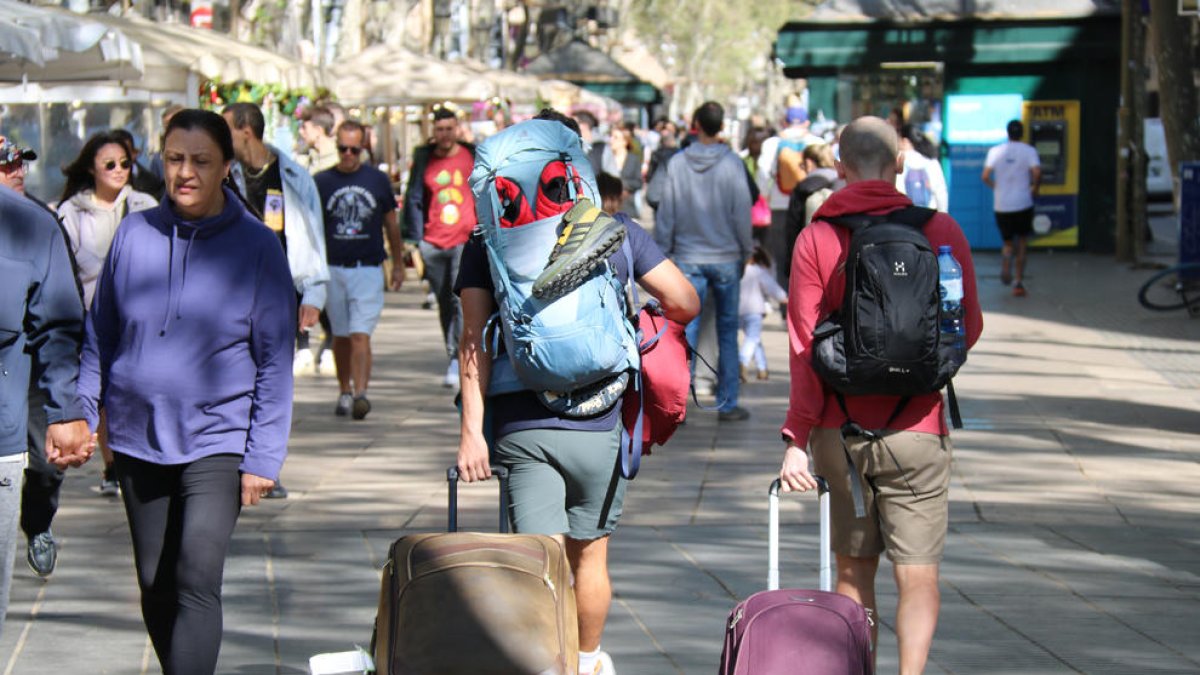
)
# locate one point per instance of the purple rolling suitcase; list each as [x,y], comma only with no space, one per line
[796,631]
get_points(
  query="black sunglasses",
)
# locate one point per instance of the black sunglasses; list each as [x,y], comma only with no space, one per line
[112,164]
[343,149]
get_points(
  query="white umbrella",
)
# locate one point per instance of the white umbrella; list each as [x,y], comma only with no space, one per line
[46,44]
[383,74]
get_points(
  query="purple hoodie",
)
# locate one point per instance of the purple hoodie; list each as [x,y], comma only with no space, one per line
[189,340]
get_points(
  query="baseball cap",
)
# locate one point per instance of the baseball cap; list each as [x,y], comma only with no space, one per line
[797,115]
[10,153]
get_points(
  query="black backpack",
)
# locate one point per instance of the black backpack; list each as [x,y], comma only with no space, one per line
[885,338]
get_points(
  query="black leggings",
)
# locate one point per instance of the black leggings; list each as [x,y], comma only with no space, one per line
[182,518]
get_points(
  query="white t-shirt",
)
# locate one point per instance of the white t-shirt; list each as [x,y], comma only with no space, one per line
[926,176]
[1010,163]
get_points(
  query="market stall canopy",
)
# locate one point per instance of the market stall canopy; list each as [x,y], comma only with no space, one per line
[849,34]
[172,51]
[568,97]
[837,11]
[516,87]
[385,74]
[46,44]
[592,69]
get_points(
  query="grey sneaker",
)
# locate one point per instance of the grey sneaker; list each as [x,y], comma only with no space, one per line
[277,492]
[343,405]
[361,407]
[42,554]
[109,487]
[587,238]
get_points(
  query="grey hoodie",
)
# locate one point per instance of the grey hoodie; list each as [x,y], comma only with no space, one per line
[704,216]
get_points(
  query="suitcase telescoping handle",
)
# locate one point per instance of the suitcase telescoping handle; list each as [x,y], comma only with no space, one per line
[452,512]
[773,536]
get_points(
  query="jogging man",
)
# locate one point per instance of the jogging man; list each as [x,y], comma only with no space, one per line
[703,224]
[1014,172]
[439,213]
[564,473]
[358,204]
[907,469]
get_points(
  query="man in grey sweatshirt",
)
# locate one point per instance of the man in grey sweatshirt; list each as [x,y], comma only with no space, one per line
[703,225]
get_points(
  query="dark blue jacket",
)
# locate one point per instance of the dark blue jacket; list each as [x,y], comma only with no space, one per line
[41,319]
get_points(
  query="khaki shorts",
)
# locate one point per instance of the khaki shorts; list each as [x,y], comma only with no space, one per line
[905,479]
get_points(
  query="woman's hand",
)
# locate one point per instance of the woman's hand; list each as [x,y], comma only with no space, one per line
[254,488]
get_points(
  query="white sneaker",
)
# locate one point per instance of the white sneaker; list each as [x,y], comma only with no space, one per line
[327,366]
[345,401]
[604,665]
[304,363]
[451,379]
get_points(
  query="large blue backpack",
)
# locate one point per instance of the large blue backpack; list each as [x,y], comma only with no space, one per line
[569,343]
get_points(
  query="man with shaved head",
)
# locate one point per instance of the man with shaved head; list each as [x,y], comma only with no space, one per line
[905,463]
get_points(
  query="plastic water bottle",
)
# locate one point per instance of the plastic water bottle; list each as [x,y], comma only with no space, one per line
[950,290]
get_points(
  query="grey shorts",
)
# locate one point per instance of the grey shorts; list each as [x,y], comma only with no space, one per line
[564,481]
[906,484]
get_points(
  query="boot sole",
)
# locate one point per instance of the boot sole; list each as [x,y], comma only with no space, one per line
[558,280]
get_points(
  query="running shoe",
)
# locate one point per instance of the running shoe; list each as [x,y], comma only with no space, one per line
[451,379]
[1018,290]
[361,407]
[109,487]
[42,554]
[587,238]
[345,401]
[604,665]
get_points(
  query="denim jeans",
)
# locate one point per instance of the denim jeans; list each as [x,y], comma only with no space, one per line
[441,270]
[752,348]
[724,280]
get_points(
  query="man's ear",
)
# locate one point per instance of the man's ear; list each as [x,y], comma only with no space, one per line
[841,169]
[900,162]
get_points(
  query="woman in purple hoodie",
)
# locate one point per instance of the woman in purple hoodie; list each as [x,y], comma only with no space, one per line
[189,350]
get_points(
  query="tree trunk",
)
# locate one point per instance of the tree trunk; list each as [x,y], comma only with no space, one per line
[1176,83]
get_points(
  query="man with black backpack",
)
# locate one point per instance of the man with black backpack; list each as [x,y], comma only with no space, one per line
[865,391]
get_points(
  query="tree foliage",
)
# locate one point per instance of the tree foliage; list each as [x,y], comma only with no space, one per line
[711,46]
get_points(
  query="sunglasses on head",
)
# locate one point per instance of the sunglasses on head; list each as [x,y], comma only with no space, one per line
[13,166]
[343,149]
[112,164]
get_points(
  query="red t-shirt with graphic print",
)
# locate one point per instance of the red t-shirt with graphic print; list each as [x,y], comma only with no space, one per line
[451,204]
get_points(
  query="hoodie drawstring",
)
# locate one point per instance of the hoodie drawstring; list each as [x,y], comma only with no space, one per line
[178,302]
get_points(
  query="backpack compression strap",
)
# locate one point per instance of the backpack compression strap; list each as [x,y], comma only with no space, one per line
[913,216]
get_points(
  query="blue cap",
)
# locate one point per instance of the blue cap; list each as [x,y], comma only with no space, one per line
[797,115]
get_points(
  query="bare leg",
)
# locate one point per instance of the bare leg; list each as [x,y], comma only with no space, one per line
[341,359]
[360,362]
[856,580]
[1006,262]
[102,439]
[1020,261]
[916,614]
[593,590]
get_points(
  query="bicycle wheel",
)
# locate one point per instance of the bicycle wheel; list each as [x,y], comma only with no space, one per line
[1165,291]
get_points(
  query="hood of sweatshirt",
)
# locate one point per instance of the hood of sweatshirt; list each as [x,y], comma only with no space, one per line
[873,197]
[186,232]
[704,157]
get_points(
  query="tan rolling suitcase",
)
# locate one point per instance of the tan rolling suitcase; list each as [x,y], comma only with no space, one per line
[476,603]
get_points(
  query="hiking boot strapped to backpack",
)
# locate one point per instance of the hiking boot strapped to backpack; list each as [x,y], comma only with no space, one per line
[579,334]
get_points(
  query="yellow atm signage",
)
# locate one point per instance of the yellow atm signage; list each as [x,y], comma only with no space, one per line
[1052,128]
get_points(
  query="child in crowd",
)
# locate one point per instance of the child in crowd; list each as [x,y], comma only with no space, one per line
[758,288]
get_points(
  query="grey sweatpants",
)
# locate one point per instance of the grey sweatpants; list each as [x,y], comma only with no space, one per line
[12,468]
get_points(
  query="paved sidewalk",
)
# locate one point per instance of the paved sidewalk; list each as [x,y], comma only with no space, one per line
[1074,543]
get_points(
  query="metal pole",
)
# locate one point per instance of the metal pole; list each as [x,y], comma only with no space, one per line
[1124,243]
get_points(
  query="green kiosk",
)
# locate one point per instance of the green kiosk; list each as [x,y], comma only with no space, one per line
[960,76]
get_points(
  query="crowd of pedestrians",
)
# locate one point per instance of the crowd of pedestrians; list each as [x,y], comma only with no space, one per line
[213,265]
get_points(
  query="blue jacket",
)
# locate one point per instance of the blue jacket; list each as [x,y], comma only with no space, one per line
[189,340]
[40,315]
[416,202]
[303,225]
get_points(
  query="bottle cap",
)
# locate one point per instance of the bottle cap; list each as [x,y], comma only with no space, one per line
[943,249]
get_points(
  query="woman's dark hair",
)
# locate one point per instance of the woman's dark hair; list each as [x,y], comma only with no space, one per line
[555,116]
[920,141]
[79,172]
[207,121]
[760,257]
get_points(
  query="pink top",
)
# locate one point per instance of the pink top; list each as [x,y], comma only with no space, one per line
[817,285]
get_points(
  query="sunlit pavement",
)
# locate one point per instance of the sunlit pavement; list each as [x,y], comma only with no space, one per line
[1074,543]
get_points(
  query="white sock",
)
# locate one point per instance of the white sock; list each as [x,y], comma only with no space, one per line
[587,661]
